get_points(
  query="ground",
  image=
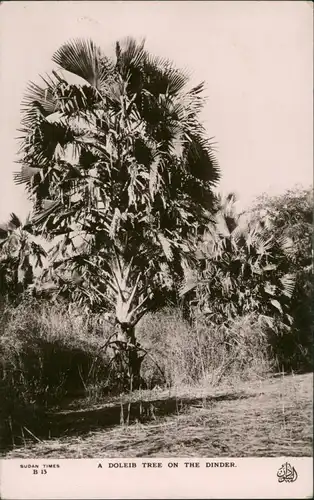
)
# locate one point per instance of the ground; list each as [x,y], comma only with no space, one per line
[262,419]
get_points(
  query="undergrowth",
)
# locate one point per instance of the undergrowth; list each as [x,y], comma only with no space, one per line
[52,355]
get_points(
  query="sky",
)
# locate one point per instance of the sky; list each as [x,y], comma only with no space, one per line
[255,57]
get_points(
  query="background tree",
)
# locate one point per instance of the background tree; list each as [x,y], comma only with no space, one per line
[291,215]
[120,172]
[243,269]
[20,254]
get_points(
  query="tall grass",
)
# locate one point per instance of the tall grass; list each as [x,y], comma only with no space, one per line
[210,354]
[47,354]
[50,355]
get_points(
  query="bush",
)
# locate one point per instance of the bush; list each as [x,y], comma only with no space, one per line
[188,355]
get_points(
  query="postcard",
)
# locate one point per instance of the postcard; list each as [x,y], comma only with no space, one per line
[156,292]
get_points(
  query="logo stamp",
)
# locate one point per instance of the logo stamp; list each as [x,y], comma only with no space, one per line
[287,473]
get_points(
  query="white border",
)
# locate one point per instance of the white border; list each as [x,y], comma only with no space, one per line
[85,479]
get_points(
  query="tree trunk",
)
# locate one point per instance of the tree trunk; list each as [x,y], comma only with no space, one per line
[133,356]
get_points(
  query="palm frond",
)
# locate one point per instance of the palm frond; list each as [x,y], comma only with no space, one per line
[161,77]
[83,58]
[42,98]
[14,222]
[286,244]
[275,303]
[25,175]
[129,54]
[221,226]
[202,161]
[197,90]
[166,246]
[49,206]
[3,231]
[288,282]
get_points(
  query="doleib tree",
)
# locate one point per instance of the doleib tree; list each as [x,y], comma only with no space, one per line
[119,168]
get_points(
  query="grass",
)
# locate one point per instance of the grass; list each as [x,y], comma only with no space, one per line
[61,398]
[262,418]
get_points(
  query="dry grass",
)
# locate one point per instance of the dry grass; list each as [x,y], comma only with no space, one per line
[265,418]
[188,355]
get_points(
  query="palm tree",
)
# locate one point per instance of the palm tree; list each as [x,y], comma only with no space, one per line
[243,269]
[20,254]
[118,167]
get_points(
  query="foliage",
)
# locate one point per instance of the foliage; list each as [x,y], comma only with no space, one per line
[20,254]
[243,270]
[291,215]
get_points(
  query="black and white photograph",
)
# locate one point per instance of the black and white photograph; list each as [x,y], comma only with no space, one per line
[156,206]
